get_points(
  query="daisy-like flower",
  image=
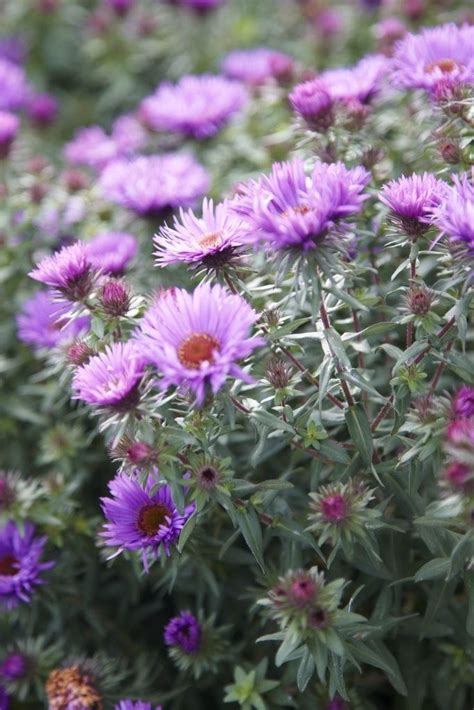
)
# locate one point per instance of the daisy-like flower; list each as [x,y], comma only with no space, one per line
[112,378]
[287,209]
[128,134]
[358,83]
[437,56]
[69,271]
[258,65]
[195,339]
[14,88]
[197,106]
[9,125]
[14,666]
[184,631]
[135,705]
[463,402]
[142,516]
[42,323]
[454,216]
[20,566]
[411,200]
[150,185]
[92,147]
[211,239]
[112,251]
[314,103]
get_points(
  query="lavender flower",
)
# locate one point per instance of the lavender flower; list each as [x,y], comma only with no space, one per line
[13,666]
[91,147]
[9,125]
[135,705]
[460,477]
[12,49]
[111,379]
[289,210]
[42,109]
[152,184]
[209,239]
[463,402]
[411,199]
[185,632]
[128,134]
[13,86]
[256,66]
[454,216]
[438,55]
[197,106]
[314,103]
[360,82]
[111,251]
[42,322]
[69,271]
[195,339]
[20,566]
[142,516]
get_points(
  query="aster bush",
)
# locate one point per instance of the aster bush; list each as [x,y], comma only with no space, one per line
[237,412]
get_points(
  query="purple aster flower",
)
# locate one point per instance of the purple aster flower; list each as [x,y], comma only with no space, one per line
[69,271]
[454,216]
[13,86]
[184,631]
[142,516]
[197,106]
[290,210]
[314,103]
[20,565]
[337,703]
[42,322]
[42,109]
[91,147]
[195,339]
[111,251]
[12,49]
[4,699]
[128,134]
[256,66]
[153,184]
[9,125]
[438,55]
[411,200]
[460,477]
[210,239]
[14,666]
[360,82]
[463,402]
[111,379]
[135,705]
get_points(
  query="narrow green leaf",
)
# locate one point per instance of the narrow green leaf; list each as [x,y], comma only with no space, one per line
[305,670]
[186,532]
[249,526]
[359,429]
[434,569]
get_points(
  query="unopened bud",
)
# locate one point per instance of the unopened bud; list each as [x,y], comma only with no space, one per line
[114,298]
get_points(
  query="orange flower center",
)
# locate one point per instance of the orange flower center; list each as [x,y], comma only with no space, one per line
[152,517]
[446,65]
[196,349]
[207,241]
[8,566]
[298,209]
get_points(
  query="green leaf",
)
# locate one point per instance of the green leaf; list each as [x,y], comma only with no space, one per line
[290,644]
[186,532]
[249,526]
[305,670]
[272,421]
[469,580]
[359,429]
[376,654]
[434,569]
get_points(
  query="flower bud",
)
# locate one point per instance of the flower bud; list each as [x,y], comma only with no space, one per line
[419,300]
[79,353]
[114,298]
[313,102]
[278,373]
[450,151]
[43,109]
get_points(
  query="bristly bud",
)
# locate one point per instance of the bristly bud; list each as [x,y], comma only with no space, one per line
[72,687]
[14,666]
[114,298]
[313,102]
[271,316]
[450,151]
[135,453]
[195,644]
[79,353]
[75,180]
[278,373]
[419,300]
[207,476]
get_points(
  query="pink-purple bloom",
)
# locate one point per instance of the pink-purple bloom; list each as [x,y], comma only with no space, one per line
[463,402]
[412,198]
[43,109]
[258,65]
[13,666]
[454,216]
[197,106]
[185,632]
[112,251]
[460,477]
[42,322]
[68,271]
[360,82]
[195,339]
[437,56]
[135,705]
[142,516]
[111,379]
[199,239]
[9,125]
[289,209]
[313,101]
[150,185]
[14,88]
[94,148]
[20,565]
[128,134]
[4,699]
